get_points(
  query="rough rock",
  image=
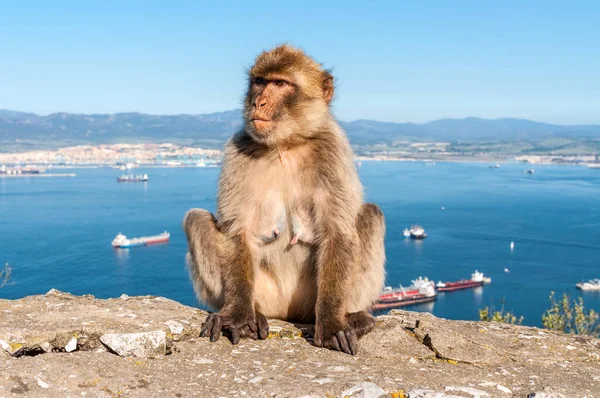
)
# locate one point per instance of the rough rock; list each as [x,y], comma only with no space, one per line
[365,390]
[141,345]
[408,354]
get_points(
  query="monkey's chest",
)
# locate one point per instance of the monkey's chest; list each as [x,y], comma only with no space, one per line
[275,220]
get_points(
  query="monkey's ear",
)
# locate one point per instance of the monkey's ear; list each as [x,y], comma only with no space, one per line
[327,87]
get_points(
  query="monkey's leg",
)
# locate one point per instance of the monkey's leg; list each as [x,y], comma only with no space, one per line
[367,277]
[371,272]
[221,272]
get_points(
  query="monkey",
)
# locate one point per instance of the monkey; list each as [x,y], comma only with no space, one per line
[292,237]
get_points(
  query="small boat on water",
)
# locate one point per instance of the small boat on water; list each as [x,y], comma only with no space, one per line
[133,178]
[400,297]
[121,241]
[497,166]
[530,171]
[592,284]
[593,165]
[477,279]
[417,232]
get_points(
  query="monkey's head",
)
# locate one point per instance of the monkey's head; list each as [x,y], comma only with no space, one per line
[288,96]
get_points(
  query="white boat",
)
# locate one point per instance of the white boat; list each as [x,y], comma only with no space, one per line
[592,284]
[512,245]
[417,232]
[593,165]
[497,166]
[123,242]
[530,171]
[132,178]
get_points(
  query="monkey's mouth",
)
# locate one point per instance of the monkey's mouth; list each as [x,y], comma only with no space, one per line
[261,124]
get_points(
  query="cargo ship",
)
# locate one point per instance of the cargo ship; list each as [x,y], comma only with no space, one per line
[477,279]
[121,241]
[400,297]
[132,178]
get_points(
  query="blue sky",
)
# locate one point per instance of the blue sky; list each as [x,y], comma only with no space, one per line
[394,61]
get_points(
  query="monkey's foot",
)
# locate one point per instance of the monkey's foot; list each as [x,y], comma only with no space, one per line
[361,322]
[337,338]
[234,327]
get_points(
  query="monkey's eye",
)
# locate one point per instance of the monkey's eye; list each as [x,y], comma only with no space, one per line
[280,82]
[259,81]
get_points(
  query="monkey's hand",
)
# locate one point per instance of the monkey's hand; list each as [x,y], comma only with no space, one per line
[235,324]
[336,335]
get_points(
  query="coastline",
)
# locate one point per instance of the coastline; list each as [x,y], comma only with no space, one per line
[37,175]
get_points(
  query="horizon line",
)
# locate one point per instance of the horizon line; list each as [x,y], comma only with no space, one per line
[342,120]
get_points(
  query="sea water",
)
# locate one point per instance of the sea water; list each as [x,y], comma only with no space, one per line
[56,232]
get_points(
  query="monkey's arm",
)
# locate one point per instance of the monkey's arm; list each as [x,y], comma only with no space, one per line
[336,260]
[237,316]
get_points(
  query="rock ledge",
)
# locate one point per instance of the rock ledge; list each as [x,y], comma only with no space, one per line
[63,345]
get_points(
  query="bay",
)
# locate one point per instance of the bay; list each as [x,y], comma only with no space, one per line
[56,232]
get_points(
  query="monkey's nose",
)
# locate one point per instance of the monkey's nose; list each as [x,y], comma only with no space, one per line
[260,102]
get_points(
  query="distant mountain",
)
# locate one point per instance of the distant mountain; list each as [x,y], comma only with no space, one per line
[466,130]
[28,130]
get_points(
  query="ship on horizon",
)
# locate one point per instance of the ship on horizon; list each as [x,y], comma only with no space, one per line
[133,178]
[121,241]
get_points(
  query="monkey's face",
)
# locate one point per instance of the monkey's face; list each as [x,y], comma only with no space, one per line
[268,105]
[288,96]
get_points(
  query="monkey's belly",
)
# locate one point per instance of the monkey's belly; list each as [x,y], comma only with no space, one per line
[285,286]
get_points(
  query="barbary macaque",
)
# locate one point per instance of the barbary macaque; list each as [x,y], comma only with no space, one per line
[292,237]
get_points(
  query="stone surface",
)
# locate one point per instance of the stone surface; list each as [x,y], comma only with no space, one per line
[408,354]
[365,390]
[141,345]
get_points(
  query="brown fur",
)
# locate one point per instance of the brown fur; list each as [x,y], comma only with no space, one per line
[291,162]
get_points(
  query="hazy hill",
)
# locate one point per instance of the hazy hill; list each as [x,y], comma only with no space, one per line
[23,130]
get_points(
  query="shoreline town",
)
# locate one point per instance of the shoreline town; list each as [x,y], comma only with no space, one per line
[128,156]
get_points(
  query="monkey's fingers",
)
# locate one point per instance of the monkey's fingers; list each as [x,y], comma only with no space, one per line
[263,326]
[206,327]
[211,327]
[215,333]
[252,325]
[352,341]
[341,338]
[333,344]
[235,335]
